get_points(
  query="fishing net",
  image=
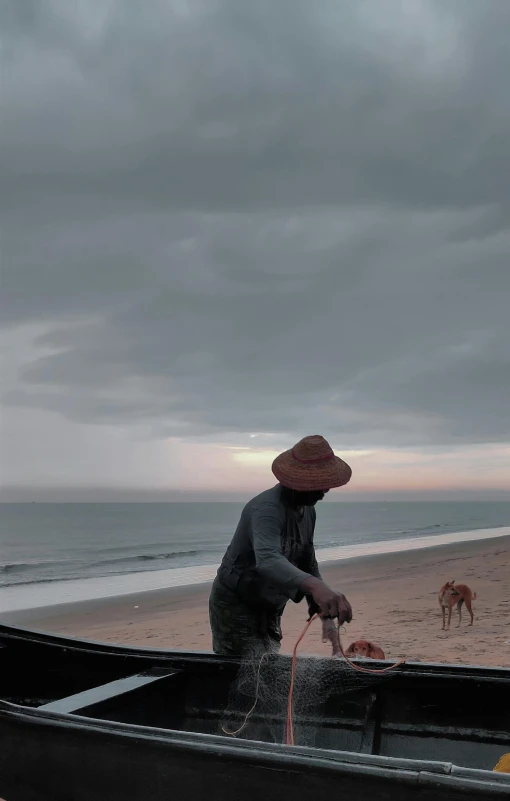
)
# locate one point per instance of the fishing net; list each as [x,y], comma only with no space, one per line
[332,703]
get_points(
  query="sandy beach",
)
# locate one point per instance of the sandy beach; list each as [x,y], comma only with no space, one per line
[394,598]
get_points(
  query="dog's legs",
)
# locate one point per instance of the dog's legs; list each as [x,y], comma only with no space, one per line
[459,604]
[443,610]
[449,615]
[468,607]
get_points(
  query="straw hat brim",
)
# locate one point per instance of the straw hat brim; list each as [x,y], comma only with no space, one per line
[323,475]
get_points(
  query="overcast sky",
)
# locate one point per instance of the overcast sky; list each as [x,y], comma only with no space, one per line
[228,224]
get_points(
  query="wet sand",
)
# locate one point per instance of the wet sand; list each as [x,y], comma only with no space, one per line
[394,598]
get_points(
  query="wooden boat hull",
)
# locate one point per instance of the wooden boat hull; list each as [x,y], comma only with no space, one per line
[107,722]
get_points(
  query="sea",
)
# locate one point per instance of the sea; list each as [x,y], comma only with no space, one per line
[60,553]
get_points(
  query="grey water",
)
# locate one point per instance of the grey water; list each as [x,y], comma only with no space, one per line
[54,542]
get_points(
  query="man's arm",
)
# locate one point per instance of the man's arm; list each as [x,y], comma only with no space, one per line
[329,627]
[313,608]
[321,599]
[311,566]
[267,525]
[292,582]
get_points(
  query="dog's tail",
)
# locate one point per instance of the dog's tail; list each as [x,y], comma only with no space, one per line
[474,596]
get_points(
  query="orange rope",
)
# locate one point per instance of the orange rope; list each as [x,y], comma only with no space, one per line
[289,729]
[289,733]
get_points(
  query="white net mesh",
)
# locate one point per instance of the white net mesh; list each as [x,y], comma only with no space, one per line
[332,702]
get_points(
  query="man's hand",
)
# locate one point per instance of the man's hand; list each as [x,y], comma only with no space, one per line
[332,604]
[330,632]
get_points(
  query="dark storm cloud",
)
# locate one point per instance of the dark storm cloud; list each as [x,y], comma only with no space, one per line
[281,216]
[229,105]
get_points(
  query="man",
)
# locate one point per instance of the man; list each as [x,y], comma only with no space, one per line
[271,558]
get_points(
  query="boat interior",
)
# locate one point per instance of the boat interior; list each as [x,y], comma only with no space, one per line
[426,712]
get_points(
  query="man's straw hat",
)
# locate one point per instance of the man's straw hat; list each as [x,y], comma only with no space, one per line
[311,465]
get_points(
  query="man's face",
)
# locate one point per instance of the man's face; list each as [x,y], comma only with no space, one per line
[312,497]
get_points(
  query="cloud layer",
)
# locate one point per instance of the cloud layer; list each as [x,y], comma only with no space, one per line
[223,218]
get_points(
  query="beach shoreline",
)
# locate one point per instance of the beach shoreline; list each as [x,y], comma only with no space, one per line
[49,593]
[394,597]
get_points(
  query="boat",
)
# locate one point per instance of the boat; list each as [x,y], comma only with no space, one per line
[87,721]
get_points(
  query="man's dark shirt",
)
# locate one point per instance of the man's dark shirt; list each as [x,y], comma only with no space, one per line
[272,551]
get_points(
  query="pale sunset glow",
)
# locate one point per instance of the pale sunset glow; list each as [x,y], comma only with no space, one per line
[255,458]
[389,471]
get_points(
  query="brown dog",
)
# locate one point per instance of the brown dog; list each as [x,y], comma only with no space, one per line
[451,595]
[365,648]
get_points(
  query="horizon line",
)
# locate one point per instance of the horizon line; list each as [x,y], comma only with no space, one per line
[95,495]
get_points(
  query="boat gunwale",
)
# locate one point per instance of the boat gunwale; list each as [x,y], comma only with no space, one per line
[48,639]
[275,756]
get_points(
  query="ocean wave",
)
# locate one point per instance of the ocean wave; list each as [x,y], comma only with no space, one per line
[436,525]
[8,567]
[411,532]
[149,557]
[63,569]
[28,581]
[20,567]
